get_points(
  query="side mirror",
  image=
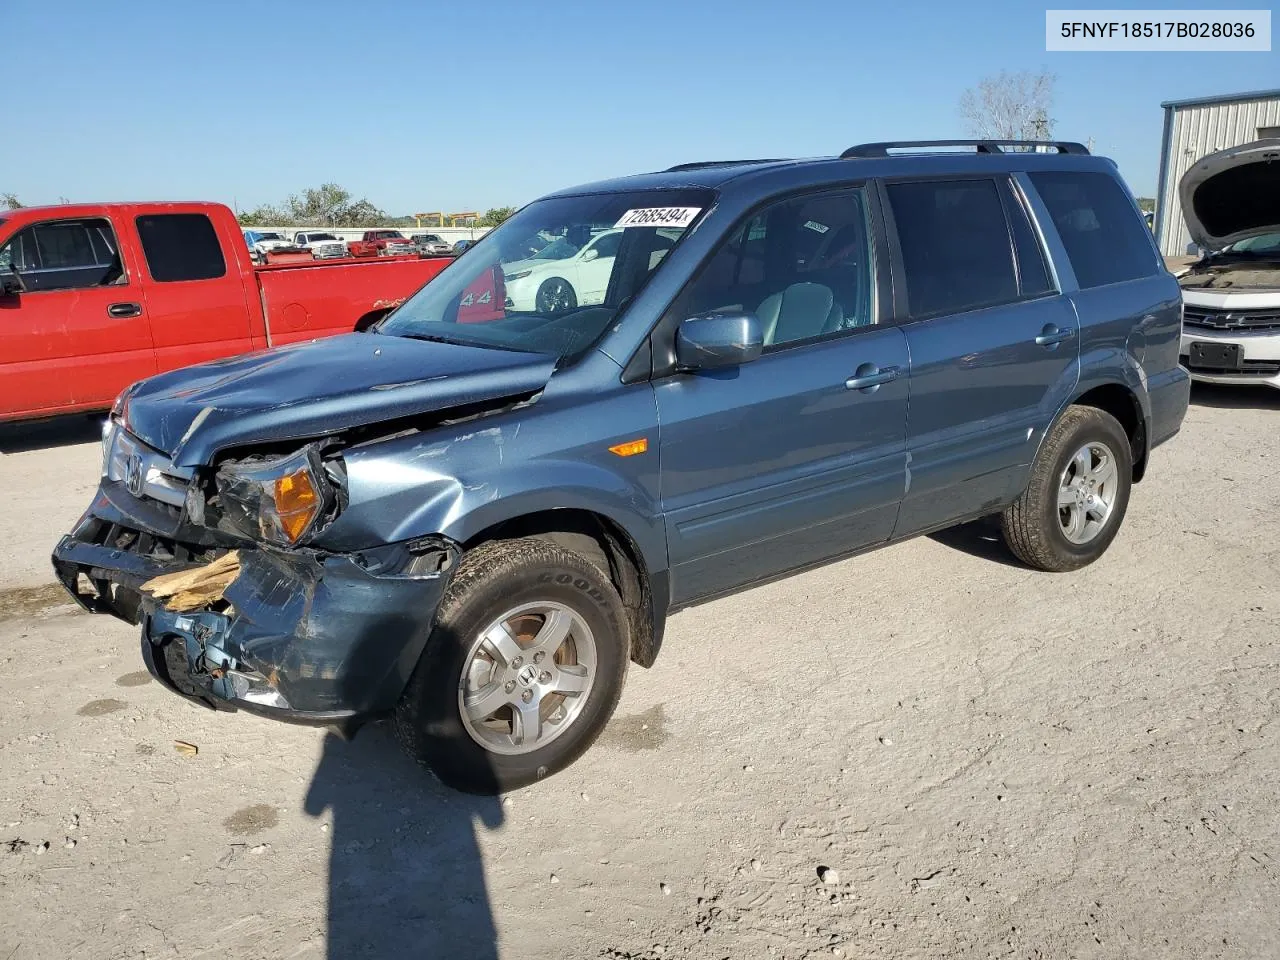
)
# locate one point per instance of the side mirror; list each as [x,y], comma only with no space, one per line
[589,255]
[11,283]
[719,340]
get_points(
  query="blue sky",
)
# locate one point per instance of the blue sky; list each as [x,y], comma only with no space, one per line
[468,104]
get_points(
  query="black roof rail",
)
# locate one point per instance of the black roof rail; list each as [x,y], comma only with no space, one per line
[979,146]
[702,164]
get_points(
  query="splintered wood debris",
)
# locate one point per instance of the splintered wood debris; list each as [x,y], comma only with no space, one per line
[190,590]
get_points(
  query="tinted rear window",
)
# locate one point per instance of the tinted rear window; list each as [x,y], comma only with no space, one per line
[181,246]
[956,248]
[1106,240]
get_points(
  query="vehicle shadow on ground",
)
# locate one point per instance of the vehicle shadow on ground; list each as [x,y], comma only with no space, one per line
[1228,397]
[405,874]
[56,432]
[978,538]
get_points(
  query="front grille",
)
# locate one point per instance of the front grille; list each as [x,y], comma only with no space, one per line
[329,251]
[1209,318]
[144,471]
[140,543]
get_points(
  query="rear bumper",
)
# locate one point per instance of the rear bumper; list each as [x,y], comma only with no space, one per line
[299,636]
[1169,394]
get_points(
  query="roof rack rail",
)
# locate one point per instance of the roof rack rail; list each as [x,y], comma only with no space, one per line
[979,146]
[702,164]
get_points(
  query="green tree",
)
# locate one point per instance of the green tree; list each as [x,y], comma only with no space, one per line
[1146,204]
[495,215]
[9,201]
[330,205]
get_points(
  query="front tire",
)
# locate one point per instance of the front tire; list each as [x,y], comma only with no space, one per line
[555,295]
[1077,496]
[523,669]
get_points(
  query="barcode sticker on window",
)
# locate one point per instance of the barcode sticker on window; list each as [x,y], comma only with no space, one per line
[658,217]
[815,225]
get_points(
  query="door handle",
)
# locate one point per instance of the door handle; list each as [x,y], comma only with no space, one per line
[1052,335]
[123,310]
[868,376]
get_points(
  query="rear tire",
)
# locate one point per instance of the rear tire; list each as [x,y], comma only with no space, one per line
[1077,495]
[516,591]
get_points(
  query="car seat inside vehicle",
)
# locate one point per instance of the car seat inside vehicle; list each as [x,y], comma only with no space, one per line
[801,311]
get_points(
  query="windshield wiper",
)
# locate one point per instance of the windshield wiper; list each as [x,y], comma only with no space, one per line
[432,338]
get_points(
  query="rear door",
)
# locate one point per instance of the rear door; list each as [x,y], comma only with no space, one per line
[76,337]
[197,299]
[994,345]
[799,456]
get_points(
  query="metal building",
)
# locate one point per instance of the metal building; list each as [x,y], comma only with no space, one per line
[1197,128]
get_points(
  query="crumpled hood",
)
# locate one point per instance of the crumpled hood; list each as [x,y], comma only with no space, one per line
[306,390]
[1233,195]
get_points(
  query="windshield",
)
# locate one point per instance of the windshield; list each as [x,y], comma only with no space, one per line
[268,236]
[313,237]
[1268,244]
[520,287]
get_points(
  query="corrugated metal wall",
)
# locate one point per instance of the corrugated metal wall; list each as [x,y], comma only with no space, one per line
[1197,132]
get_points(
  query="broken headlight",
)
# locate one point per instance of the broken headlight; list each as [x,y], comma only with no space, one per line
[278,500]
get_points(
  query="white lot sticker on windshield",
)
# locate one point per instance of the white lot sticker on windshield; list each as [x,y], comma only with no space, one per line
[658,217]
[815,225]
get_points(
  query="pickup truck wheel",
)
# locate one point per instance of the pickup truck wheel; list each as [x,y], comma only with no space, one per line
[522,671]
[1077,496]
[555,296]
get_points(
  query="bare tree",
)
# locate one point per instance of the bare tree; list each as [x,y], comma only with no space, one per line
[9,201]
[1010,106]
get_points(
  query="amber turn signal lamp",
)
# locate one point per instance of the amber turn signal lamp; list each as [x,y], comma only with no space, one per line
[631,447]
[297,502]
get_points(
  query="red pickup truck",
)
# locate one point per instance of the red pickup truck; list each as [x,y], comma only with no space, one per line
[375,243]
[96,296]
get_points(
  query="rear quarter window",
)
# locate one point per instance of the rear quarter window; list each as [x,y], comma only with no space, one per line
[1105,238]
[181,246]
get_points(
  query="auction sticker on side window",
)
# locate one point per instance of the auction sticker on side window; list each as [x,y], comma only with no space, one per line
[658,217]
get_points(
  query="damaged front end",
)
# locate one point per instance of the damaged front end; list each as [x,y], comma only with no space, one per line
[239,606]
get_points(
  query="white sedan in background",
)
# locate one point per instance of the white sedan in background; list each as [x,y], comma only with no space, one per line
[562,276]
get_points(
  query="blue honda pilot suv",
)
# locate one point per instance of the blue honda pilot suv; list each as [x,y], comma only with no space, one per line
[631,397]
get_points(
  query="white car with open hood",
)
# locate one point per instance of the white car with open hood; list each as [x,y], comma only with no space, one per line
[1231,296]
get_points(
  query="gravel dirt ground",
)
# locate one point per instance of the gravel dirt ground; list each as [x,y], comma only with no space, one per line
[927,751]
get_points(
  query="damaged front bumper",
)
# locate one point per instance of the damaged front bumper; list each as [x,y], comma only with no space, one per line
[300,636]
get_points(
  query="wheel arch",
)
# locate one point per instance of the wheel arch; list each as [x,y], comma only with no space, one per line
[606,542]
[1121,402]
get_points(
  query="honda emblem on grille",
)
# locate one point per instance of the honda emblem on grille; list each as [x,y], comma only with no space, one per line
[133,475]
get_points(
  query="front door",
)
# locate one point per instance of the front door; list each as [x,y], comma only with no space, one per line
[76,336]
[799,456]
[994,346]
